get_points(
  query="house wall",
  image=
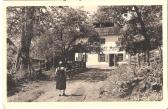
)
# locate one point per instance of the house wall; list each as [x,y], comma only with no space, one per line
[110,39]
[109,47]
[92,60]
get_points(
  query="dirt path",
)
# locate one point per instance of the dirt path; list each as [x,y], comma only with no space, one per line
[82,87]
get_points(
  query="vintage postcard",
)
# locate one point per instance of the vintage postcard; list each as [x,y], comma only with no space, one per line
[107,54]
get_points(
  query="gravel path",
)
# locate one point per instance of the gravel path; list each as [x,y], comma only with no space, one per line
[82,87]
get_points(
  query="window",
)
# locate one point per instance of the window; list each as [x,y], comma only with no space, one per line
[104,48]
[120,57]
[84,58]
[101,57]
[102,40]
[81,57]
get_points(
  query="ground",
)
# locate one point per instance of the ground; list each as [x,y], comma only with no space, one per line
[85,86]
[119,84]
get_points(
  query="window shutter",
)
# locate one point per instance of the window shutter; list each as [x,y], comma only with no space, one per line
[106,57]
[98,57]
[86,57]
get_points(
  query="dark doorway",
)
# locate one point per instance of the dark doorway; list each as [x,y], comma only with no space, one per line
[111,59]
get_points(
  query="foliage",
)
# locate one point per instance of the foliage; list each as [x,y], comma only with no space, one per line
[67,25]
[45,32]
[124,84]
[131,29]
[66,29]
[15,20]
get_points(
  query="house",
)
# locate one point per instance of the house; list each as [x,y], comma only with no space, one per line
[12,49]
[110,53]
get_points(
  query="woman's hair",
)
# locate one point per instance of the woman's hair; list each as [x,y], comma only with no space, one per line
[60,64]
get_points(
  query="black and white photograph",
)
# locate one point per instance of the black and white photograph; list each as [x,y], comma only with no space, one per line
[84,53]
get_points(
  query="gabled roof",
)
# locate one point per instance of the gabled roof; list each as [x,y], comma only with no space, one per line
[106,31]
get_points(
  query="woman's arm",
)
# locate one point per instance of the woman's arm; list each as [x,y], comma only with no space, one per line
[56,71]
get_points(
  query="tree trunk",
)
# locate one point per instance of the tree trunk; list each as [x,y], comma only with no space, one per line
[23,59]
[144,33]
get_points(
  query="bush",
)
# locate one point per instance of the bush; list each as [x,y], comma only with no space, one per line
[143,83]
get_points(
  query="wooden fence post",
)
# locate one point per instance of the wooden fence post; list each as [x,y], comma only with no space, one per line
[129,59]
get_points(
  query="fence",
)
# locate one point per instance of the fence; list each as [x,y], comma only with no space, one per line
[138,60]
[36,67]
[75,67]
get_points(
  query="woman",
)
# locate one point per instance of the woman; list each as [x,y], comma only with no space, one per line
[61,79]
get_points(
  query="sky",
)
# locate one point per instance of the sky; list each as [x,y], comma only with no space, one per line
[90,9]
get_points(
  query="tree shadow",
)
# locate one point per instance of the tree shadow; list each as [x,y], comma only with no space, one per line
[76,95]
[92,75]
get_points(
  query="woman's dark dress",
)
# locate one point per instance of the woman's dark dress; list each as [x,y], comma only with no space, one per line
[60,79]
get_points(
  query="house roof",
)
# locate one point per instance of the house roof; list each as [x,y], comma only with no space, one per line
[107,31]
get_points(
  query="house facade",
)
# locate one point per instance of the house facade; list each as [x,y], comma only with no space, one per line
[110,53]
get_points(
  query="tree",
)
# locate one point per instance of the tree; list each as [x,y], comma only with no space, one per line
[22,24]
[26,31]
[68,25]
[139,24]
[53,31]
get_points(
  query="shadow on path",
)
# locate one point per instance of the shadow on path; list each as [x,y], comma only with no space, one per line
[92,75]
[68,95]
